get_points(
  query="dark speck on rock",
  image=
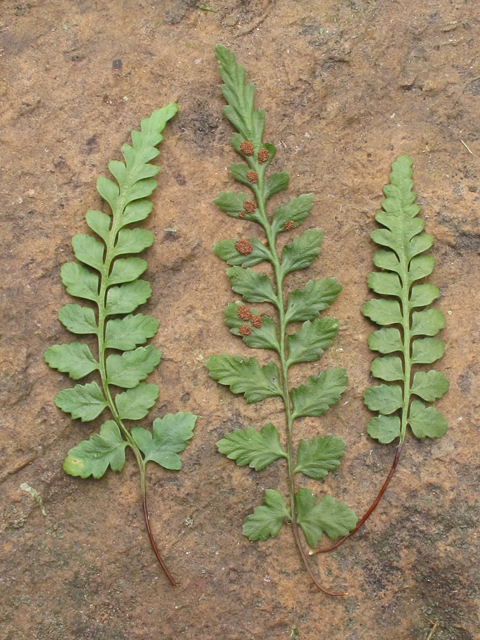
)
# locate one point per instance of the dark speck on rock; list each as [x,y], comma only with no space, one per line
[171,236]
[465,382]
[91,144]
[117,64]
[474,87]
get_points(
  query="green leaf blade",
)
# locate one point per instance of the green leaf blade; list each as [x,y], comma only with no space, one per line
[240,98]
[386,260]
[427,323]
[315,459]
[389,368]
[153,126]
[260,337]
[319,393]
[422,295]
[226,250]
[387,284]
[134,404]
[328,516]
[305,304]
[109,191]
[231,203]
[142,188]
[133,241]
[419,244]
[302,251]
[295,211]
[383,312]
[252,286]
[240,172]
[427,350]
[276,182]
[99,222]
[127,333]
[420,267]
[263,337]
[129,368]
[136,212]
[78,319]
[79,281]
[404,234]
[88,250]
[430,385]
[93,457]
[125,298]
[118,170]
[266,520]
[384,398]
[248,446]
[385,341]
[83,401]
[385,239]
[75,359]
[245,376]
[171,435]
[384,428]
[426,423]
[126,270]
[309,342]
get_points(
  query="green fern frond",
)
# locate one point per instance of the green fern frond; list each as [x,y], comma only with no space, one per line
[112,282]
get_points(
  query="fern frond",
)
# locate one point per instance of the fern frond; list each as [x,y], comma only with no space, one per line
[403,266]
[115,287]
[257,383]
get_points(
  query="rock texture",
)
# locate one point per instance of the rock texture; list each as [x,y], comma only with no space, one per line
[348,86]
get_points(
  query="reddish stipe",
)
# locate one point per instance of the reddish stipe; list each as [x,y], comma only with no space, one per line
[371,509]
[152,541]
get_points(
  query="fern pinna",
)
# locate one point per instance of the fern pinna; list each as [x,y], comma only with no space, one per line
[260,448]
[113,285]
[412,334]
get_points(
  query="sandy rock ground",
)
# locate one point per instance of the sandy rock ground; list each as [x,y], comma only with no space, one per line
[348,86]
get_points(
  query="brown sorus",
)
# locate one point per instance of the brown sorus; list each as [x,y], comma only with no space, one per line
[244,330]
[244,313]
[241,214]
[249,206]
[244,247]
[252,177]
[247,148]
[263,155]
[256,322]
[289,225]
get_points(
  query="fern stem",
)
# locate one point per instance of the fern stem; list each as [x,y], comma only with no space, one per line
[102,316]
[372,507]
[141,466]
[284,369]
[407,363]
[405,404]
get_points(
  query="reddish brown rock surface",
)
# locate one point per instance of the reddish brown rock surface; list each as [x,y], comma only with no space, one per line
[348,86]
